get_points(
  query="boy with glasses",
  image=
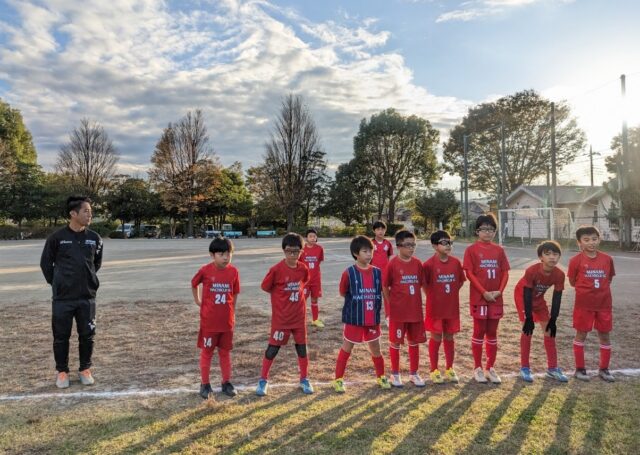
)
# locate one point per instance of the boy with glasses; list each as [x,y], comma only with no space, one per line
[487,269]
[313,255]
[443,278]
[285,281]
[401,287]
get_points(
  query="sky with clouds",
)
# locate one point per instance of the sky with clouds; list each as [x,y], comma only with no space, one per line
[136,65]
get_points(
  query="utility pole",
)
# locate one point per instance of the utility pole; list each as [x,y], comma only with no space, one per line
[465,140]
[503,170]
[626,165]
[553,155]
[591,162]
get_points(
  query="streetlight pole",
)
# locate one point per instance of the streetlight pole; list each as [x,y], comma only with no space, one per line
[465,140]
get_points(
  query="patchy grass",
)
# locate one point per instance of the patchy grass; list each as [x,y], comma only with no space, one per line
[470,418]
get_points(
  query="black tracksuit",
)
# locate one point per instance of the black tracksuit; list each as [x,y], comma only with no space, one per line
[69,263]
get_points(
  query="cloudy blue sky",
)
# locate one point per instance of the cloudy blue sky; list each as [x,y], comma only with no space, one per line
[135,65]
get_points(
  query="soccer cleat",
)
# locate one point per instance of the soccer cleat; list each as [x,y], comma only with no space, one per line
[436,377]
[62,380]
[306,386]
[451,375]
[478,375]
[396,380]
[557,374]
[86,378]
[416,380]
[229,390]
[318,323]
[493,376]
[606,375]
[205,391]
[525,374]
[263,386]
[581,374]
[338,385]
[383,382]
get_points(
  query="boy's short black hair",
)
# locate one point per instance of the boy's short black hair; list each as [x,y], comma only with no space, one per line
[74,203]
[403,234]
[487,218]
[220,244]
[587,230]
[311,231]
[358,243]
[292,239]
[549,245]
[379,224]
[439,235]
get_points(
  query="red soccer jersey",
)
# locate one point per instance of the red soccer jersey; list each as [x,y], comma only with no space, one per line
[368,298]
[487,262]
[592,278]
[404,280]
[535,278]
[312,256]
[381,253]
[442,283]
[286,286]
[219,289]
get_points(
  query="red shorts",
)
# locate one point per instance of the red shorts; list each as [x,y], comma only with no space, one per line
[587,320]
[413,330]
[540,312]
[444,325]
[280,337]
[490,311]
[313,290]
[361,334]
[211,340]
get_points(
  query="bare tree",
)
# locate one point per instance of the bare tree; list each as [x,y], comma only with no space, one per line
[89,157]
[183,169]
[293,156]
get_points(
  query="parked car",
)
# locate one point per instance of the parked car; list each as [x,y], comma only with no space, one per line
[127,229]
[150,231]
[227,231]
[209,232]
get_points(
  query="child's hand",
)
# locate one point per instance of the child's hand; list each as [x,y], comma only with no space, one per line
[496,294]
[488,296]
[198,302]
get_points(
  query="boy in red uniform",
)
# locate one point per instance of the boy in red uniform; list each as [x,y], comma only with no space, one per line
[286,281]
[487,269]
[591,273]
[401,288]
[220,287]
[312,255]
[361,287]
[382,249]
[529,298]
[443,278]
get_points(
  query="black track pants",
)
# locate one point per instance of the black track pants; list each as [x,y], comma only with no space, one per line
[63,314]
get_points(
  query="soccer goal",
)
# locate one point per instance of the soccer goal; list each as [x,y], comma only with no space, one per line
[532,225]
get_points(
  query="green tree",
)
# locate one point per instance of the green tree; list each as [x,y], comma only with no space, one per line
[266,207]
[397,153]
[229,196]
[21,195]
[438,206]
[350,196]
[55,190]
[15,137]
[527,130]
[132,199]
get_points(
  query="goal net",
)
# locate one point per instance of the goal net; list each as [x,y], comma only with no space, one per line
[533,225]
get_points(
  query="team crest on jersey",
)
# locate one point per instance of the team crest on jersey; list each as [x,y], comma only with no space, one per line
[65,242]
[90,242]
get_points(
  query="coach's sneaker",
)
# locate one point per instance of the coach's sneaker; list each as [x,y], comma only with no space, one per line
[229,390]
[525,374]
[383,382]
[557,374]
[62,380]
[416,380]
[396,380]
[318,323]
[451,375]
[581,374]
[436,377]
[493,376]
[306,386]
[478,375]
[263,386]
[606,375]
[338,385]
[86,378]
[205,391]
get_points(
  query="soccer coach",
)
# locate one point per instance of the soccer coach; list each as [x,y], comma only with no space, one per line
[70,259]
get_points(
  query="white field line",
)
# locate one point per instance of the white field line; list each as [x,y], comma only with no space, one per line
[631,372]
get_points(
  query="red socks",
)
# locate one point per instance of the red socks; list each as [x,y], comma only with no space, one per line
[225,364]
[552,352]
[341,363]
[303,366]
[476,350]
[578,354]
[394,355]
[449,352]
[605,356]
[266,366]
[205,365]
[434,347]
[414,358]
[314,311]
[378,362]
[491,345]
[525,349]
